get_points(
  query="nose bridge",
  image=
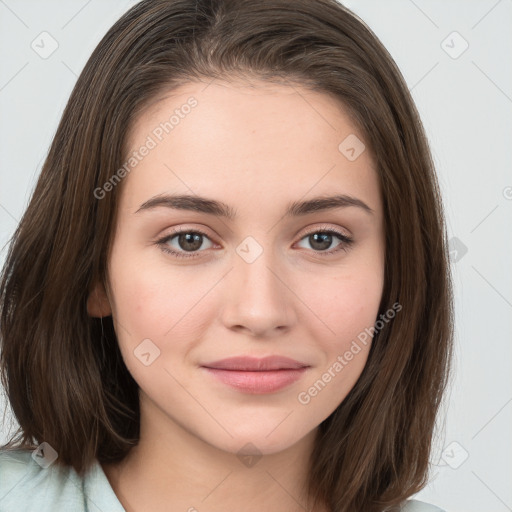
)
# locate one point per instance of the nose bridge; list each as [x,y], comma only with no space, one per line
[256,298]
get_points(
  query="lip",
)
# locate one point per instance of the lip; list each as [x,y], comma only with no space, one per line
[258,382]
[257,376]
[254,364]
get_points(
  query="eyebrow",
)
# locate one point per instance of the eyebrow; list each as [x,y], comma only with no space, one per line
[220,209]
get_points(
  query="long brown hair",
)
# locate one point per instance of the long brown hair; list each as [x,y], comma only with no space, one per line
[63,372]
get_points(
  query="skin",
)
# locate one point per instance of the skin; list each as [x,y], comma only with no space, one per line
[255,146]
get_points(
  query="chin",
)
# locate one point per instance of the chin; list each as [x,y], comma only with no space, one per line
[260,442]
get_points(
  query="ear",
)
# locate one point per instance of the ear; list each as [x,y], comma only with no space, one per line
[98,304]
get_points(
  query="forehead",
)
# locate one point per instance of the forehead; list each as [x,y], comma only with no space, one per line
[241,139]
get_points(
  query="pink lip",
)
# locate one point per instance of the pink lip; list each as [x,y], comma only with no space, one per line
[255,375]
[259,381]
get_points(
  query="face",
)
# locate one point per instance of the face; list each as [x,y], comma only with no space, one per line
[275,277]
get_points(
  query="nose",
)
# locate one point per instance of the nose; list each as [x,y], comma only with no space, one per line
[258,299]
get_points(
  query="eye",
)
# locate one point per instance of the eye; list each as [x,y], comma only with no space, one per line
[187,241]
[322,239]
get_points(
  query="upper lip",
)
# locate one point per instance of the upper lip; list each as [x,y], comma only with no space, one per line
[247,363]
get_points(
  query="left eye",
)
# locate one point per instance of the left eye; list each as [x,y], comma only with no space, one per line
[192,241]
[322,240]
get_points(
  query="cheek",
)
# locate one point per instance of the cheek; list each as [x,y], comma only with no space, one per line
[344,307]
[143,304]
[347,312]
[155,302]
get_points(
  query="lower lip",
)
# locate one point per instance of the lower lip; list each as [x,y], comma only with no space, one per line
[258,382]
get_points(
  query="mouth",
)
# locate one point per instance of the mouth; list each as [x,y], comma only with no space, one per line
[254,364]
[257,376]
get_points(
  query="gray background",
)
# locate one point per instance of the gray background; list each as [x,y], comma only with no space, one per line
[464,96]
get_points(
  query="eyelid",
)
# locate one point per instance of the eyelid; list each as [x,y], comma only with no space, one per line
[325,227]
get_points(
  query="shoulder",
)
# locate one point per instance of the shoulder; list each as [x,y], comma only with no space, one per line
[26,485]
[419,506]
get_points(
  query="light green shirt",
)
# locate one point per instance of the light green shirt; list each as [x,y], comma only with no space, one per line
[25,486]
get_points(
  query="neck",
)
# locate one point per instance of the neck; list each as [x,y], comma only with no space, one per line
[172,469]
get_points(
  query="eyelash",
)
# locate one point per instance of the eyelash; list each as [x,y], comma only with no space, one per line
[345,244]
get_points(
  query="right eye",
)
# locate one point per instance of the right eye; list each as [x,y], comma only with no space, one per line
[187,241]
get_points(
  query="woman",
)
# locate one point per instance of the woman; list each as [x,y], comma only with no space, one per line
[230,289]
